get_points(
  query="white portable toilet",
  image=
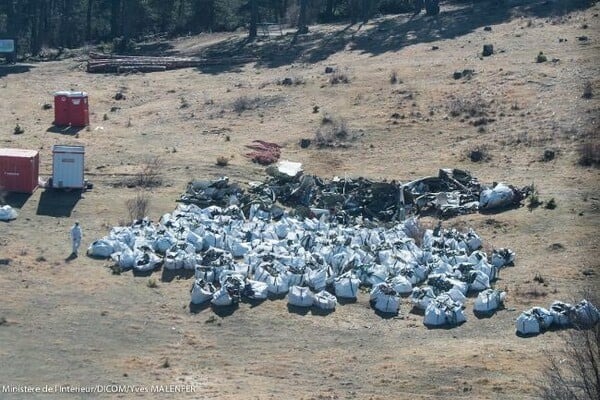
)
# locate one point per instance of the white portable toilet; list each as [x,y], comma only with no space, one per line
[67,167]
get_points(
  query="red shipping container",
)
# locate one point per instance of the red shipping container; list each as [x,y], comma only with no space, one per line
[19,170]
[71,109]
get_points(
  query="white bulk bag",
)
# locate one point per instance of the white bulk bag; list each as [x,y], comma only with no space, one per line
[586,314]
[562,313]
[205,273]
[126,258]
[278,284]
[317,279]
[222,297]
[325,300]
[444,311]
[146,261]
[473,240]
[163,243]
[527,324]
[480,281]
[101,248]
[257,290]
[543,316]
[201,291]
[7,213]
[401,284]
[346,286]
[385,299]
[502,257]
[421,297]
[376,274]
[456,295]
[488,301]
[300,296]
[500,196]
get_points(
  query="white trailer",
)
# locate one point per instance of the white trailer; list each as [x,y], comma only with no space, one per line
[68,167]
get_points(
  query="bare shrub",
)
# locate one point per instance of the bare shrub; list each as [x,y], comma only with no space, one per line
[137,207]
[473,107]
[150,174]
[245,103]
[332,132]
[338,77]
[573,371]
[394,77]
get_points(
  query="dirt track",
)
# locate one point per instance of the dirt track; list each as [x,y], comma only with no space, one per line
[75,323]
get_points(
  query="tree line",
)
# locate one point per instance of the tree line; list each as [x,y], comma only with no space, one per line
[38,24]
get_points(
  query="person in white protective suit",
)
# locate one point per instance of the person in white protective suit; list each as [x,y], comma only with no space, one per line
[76,237]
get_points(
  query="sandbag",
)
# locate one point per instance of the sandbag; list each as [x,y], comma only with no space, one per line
[325,300]
[201,291]
[346,286]
[385,299]
[7,213]
[488,301]
[300,296]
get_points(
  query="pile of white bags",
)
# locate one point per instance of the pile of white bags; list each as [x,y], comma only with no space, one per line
[583,315]
[309,255]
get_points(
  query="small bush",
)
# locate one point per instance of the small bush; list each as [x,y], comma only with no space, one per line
[245,103]
[541,57]
[551,204]
[152,284]
[539,278]
[333,132]
[150,174]
[587,90]
[473,107]
[589,154]
[393,77]
[18,130]
[116,269]
[137,208]
[338,77]
[533,199]
[105,117]
[166,363]
[222,161]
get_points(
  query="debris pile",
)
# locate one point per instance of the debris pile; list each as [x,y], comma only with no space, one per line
[236,257]
[451,193]
[561,315]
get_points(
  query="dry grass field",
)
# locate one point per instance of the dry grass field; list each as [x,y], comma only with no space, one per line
[74,323]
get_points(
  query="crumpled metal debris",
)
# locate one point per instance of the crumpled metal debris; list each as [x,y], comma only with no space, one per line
[452,192]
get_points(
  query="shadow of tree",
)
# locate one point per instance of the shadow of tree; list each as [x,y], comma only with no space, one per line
[385,34]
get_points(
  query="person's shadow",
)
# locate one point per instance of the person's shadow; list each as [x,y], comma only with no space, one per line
[71,257]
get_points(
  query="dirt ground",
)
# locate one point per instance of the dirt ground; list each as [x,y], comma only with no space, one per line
[71,322]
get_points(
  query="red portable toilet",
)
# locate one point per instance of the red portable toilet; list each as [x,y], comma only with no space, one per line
[71,108]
